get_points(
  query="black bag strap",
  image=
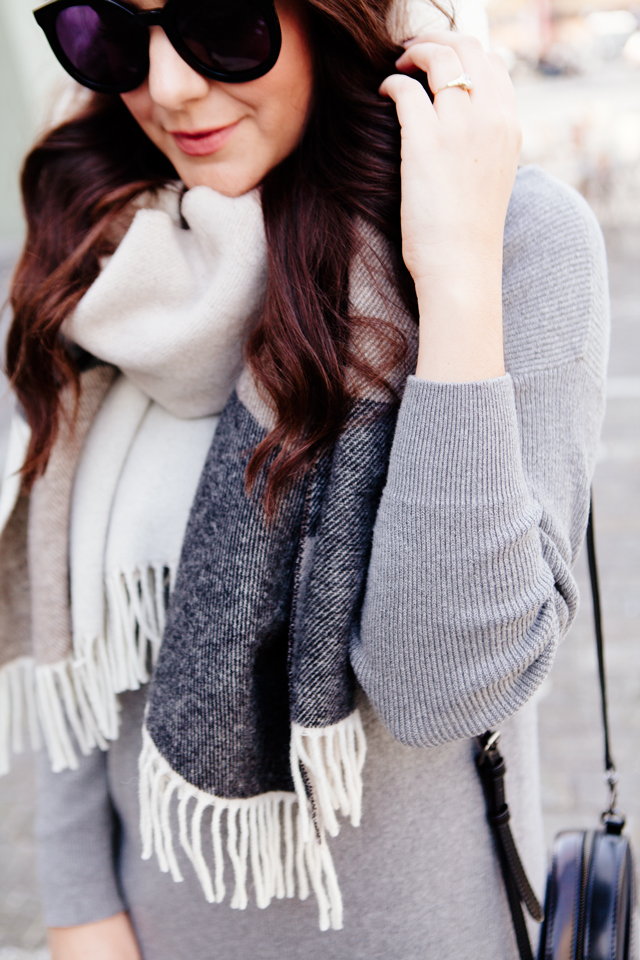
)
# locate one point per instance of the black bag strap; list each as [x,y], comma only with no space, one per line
[492,769]
[611,817]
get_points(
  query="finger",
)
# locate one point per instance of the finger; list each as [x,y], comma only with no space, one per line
[504,82]
[442,65]
[432,36]
[411,99]
[462,43]
[471,55]
[508,97]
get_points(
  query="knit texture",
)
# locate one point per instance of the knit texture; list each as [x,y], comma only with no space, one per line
[172,307]
[470,571]
[227,644]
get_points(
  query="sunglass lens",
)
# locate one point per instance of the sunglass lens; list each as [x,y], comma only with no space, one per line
[104,44]
[229,36]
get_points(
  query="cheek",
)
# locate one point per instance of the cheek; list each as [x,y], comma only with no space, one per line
[286,92]
[139,104]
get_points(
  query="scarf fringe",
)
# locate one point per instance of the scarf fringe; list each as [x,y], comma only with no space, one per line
[263,832]
[17,709]
[49,702]
[79,696]
[328,762]
[137,604]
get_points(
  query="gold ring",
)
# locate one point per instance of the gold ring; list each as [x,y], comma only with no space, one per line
[464,81]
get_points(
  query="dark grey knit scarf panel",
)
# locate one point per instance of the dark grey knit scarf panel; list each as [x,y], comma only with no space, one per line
[261,617]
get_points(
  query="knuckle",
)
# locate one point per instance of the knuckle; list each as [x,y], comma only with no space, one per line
[443,54]
[410,84]
[471,43]
[407,87]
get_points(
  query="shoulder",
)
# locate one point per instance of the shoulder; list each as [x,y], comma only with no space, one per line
[555,291]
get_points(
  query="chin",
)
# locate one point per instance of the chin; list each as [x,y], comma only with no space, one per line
[231,183]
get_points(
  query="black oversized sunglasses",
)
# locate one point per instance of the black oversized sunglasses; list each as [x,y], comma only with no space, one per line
[104,44]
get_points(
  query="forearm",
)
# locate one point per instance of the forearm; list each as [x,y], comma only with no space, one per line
[460,305]
[75,827]
[469,586]
[111,939]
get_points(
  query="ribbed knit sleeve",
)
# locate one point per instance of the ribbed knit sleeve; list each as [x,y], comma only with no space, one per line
[470,587]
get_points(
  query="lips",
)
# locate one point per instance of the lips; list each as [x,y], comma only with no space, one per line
[202,143]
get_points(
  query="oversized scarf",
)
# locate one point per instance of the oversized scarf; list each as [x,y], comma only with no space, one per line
[252,743]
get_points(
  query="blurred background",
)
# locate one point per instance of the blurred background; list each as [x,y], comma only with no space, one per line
[576,68]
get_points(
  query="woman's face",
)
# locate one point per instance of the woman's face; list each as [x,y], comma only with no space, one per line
[227,136]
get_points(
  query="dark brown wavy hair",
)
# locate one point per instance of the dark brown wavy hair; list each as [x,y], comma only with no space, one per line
[78,180]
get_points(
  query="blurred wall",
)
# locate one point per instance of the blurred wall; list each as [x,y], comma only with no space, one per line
[15,132]
[31,82]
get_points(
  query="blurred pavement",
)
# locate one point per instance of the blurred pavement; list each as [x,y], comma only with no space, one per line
[570,725]
[585,130]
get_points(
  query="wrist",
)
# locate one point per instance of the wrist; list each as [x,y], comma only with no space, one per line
[461,325]
[110,939]
[483,361]
[463,272]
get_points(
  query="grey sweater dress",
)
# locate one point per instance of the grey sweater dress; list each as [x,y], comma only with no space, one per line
[468,594]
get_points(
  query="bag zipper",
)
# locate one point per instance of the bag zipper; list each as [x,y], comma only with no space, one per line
[587,849]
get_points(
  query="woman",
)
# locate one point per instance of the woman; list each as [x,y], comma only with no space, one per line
[315,459]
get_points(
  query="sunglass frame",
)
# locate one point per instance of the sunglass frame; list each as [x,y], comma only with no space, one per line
[164,17]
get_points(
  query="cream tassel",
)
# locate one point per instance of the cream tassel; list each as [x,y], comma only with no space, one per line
[18,709]
[332,759]
[136,603]
[52,718]
[52,702]
[94,683]
[73,704]
[106,666]
[263,832]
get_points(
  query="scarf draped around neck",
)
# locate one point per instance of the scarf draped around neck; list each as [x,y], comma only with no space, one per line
[251,724]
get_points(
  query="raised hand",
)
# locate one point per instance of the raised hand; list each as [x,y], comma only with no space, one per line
[459,160]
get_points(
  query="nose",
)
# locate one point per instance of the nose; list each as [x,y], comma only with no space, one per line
[172,82]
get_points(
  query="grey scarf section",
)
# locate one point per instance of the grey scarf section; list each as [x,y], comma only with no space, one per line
[251,727]
[251,709]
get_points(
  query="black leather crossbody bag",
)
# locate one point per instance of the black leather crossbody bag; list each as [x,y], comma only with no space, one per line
[590,898]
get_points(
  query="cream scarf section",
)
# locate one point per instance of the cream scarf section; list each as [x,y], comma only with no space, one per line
[134,486]
[170,311]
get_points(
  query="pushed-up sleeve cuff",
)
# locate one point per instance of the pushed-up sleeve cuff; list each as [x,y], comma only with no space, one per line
[461,614]
[457,441]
